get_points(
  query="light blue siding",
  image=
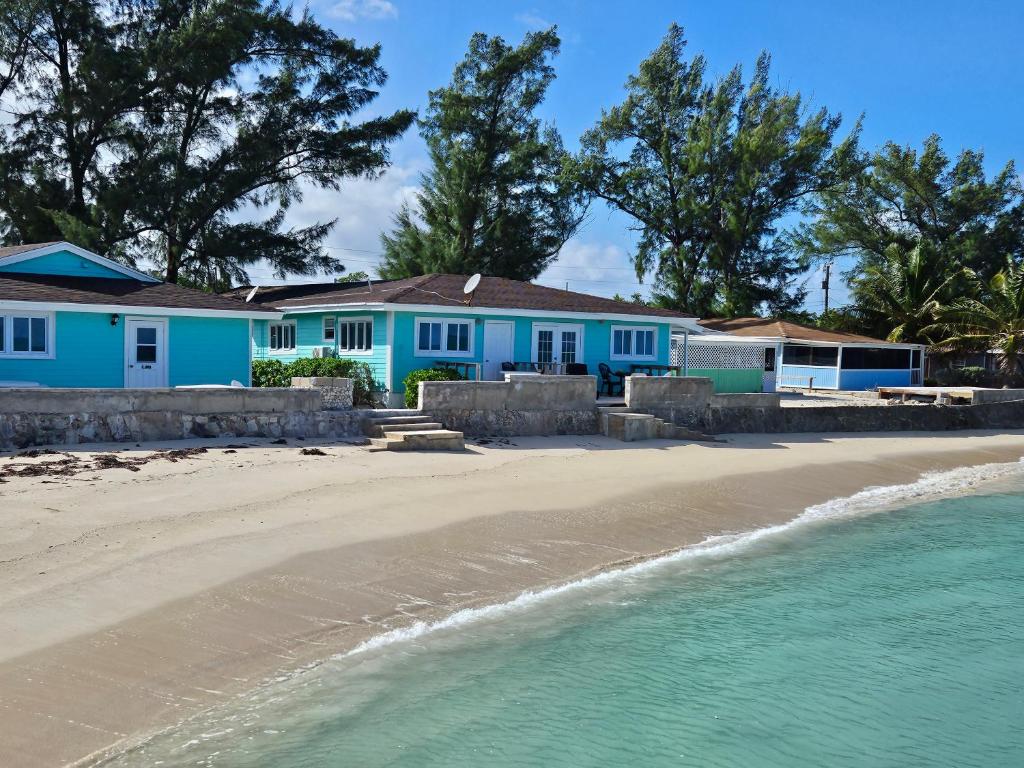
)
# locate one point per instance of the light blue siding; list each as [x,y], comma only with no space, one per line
[309,335]
[89,352]
[798,375]
[61,263]
[854,380]
[596,341]
[207,350]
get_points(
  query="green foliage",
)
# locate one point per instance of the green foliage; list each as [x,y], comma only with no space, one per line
[270,373]
[493,201]
[179,133]
[412,390]
[900,296]
[275,373]
[904,199]
[707,170]
[993,322]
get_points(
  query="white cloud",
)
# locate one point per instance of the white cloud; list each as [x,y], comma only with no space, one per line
[533,20]
[600,268]
[363,208]
[354,10]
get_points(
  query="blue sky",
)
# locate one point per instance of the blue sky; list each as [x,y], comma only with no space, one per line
[911,67]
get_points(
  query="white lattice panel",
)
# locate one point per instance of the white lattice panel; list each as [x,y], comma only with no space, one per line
[705,356]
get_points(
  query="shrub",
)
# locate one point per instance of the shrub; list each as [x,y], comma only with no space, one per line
[274,373]
[412,381]
[269,373]
[974,376]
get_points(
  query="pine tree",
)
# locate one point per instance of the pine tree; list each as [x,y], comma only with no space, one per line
[493,201]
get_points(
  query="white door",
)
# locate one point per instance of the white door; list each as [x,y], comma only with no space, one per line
[497,348]
[555,345]
[145,353]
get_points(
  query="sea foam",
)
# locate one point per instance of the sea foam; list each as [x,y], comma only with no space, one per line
[930,486]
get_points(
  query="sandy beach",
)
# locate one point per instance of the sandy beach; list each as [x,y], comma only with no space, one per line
[134,596]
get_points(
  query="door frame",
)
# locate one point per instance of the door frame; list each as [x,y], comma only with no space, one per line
[557,327]
[161,361]
[511,343]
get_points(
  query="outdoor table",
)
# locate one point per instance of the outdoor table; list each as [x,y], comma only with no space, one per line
[652,369]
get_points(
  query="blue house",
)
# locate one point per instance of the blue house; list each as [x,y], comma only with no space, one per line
[800,357]
[397,326]
[72,318]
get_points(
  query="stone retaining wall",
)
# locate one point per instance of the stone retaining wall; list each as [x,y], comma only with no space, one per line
[852,418]
[71,416]
[520,405]
[335,391]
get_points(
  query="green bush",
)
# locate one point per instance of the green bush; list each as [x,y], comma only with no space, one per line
[274,373]
[269,373]
[974,376]
[412,389]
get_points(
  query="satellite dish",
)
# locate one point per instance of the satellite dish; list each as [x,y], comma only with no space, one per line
[471,284]
[252,294]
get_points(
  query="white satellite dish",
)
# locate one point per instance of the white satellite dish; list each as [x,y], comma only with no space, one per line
[252,294]
[471,284]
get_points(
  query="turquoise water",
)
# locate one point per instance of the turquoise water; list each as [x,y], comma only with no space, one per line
[889,639]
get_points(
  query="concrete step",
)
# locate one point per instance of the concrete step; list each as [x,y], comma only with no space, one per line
[419,440]
[630,427]
[374,426]
[412,426]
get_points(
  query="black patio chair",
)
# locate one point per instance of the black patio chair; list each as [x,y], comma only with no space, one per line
[576,369]
[610,381]
[508,367]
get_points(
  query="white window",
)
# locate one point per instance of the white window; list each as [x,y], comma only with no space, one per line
[26,334]
[355,336]
[444,336]
[329,334]
[634,342]
[282,337]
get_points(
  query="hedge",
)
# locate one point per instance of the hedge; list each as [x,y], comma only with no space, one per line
[274,373]
[412,390]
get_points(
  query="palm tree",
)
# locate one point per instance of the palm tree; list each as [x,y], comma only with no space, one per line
[995,323]
[901,296]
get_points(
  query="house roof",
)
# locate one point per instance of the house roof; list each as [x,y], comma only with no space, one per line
[446,291]
[766,327]
[14,250]
[113,291]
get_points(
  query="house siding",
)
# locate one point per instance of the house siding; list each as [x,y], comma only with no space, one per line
[61,263]
[596,341]
[89,352]
[309,336]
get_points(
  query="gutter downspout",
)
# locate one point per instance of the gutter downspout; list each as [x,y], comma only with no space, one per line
[686,353]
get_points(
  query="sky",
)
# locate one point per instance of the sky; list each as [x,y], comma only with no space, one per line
[910,67]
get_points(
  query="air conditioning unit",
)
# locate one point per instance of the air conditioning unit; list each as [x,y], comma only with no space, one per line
[323,351]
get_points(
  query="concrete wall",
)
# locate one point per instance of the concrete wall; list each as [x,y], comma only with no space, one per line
[67,417]
[520,405]
[681,400]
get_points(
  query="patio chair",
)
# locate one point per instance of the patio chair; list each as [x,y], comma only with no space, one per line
[576,369]
[611,381]
[508,367]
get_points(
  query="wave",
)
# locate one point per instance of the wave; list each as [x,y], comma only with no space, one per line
[930,486]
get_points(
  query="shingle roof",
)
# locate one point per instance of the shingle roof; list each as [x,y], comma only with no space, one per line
[117,291]
[14,250]
[766,327]
[446,291]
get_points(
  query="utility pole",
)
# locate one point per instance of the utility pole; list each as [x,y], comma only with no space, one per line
[824,283]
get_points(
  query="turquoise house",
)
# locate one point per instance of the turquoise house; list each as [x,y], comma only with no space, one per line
[397,326]
[72,318]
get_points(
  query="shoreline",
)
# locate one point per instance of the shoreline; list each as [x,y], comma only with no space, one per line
[448,534]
